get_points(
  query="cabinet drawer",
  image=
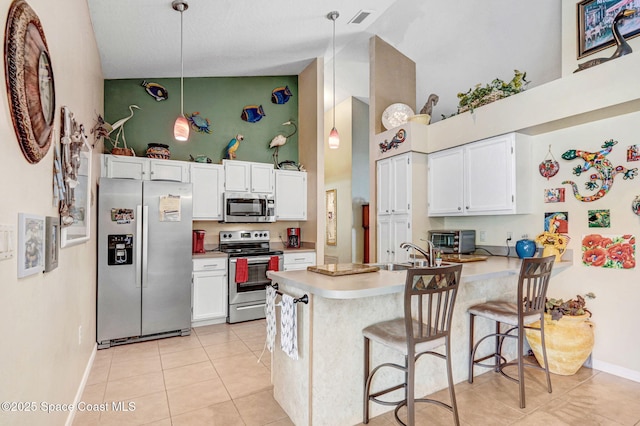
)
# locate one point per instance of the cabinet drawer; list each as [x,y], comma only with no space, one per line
[298,258]
[210,264]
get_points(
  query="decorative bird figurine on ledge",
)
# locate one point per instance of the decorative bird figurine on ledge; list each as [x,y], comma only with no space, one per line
[232,147]
[280,140]
[623,46]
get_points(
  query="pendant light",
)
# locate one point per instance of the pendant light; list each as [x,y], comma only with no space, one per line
[181,126]
[334,138]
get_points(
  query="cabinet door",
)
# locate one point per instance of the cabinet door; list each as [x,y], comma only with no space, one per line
[208,187]
[262,178]
[490,175]
[209,295]
[400,232]
[116,166]
[298,261]
[446,183]
[237,175]
[384,239]
[177,171]
[383,179]
[400,184]
[291,195]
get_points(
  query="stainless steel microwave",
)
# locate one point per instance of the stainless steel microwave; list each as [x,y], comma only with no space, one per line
[240,207]
[461,241]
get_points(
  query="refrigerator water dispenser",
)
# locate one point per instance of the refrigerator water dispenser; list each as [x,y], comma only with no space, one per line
[120,250]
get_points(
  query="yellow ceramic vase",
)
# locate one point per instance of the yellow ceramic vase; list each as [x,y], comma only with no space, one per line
[569,342]
[551,250]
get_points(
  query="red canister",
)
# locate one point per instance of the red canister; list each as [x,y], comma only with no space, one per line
[198,241]
[293,237]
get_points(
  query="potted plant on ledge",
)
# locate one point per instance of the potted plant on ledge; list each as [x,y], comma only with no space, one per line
[568,333]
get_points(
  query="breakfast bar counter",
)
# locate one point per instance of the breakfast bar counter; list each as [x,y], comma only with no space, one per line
[324,386]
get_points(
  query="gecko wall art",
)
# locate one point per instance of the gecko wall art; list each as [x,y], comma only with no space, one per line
[604,171]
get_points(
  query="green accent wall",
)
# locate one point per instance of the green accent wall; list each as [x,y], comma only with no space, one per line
[219,99]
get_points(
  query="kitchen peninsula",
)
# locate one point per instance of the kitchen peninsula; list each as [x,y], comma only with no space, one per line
[324,386]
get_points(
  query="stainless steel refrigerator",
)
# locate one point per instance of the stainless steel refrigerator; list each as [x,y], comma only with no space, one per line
[144,260]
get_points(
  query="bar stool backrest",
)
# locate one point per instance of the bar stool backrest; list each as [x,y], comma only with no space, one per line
[429,299]
[533,284]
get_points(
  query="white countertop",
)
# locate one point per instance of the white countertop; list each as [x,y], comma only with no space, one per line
[209,254]
[388,282]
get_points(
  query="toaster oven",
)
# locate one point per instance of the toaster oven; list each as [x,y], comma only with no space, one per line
[462,241]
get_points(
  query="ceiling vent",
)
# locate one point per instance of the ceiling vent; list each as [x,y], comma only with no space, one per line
[360,16]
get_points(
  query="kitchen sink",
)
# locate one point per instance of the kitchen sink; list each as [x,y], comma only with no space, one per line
[393,266]
[402,266]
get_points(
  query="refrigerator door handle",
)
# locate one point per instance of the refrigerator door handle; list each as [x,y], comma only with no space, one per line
[139,246]
[145,244]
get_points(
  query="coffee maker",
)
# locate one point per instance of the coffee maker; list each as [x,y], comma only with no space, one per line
[293,237]
[198,241]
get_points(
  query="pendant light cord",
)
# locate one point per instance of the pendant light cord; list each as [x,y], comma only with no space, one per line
[334,69]
[181,63]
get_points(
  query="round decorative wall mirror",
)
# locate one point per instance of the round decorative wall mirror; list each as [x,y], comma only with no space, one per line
[29,78]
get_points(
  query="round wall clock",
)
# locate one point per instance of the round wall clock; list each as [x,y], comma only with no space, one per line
[29,78]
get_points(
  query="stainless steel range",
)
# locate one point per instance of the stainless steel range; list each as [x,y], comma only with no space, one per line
[250,257]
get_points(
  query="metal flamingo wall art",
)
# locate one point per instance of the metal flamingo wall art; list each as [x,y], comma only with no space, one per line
[604,171]
[280,140]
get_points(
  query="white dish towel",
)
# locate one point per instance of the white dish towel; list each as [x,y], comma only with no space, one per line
[270,312]
[289,327]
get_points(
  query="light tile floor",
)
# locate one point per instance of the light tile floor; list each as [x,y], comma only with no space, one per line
[213,377]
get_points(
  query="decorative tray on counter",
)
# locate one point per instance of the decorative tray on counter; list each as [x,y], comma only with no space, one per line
[342,269]
[463,258]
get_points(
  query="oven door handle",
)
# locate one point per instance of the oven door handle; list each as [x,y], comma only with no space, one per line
[254,260]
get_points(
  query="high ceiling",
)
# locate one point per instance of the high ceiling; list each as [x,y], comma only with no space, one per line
[141,38]
[455,44]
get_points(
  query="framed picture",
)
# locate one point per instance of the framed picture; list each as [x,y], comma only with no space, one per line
[31,251]
[52,237]
[595,18]
[75,209]
[332,217]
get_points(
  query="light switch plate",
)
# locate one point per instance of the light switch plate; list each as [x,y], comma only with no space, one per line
[7,241]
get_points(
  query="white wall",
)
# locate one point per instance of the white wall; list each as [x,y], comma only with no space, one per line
[41,359]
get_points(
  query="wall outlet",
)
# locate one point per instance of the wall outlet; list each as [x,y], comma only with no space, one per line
[483,236]
[509,235]
[79,334]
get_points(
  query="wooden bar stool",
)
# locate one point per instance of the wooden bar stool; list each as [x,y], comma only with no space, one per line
[533,283]
[429,299]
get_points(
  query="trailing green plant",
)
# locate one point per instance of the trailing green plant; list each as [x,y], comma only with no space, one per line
[557,308]
[474,98]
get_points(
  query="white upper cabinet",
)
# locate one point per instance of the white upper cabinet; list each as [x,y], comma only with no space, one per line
[245,176]
[291,195]
[488,177]
[142,168]
[394,185]
[208,189]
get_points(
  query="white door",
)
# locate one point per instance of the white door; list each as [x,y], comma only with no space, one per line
[123,167]
[400,184]
[208,188]
[383,178]
[237,175]
[209,295]
[401,232]
[490,175]
[384,239]
[291,195]
[262,178]
[177,171]
[446,183]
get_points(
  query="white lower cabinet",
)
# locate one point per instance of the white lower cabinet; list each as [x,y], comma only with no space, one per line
[392,231]
[298,261]
[209,291]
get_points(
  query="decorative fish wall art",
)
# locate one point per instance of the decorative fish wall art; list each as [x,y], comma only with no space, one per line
[158,92]
[199,124]
[281,95]
[252,113]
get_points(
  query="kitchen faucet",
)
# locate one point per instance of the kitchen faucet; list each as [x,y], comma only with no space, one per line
[427,254]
